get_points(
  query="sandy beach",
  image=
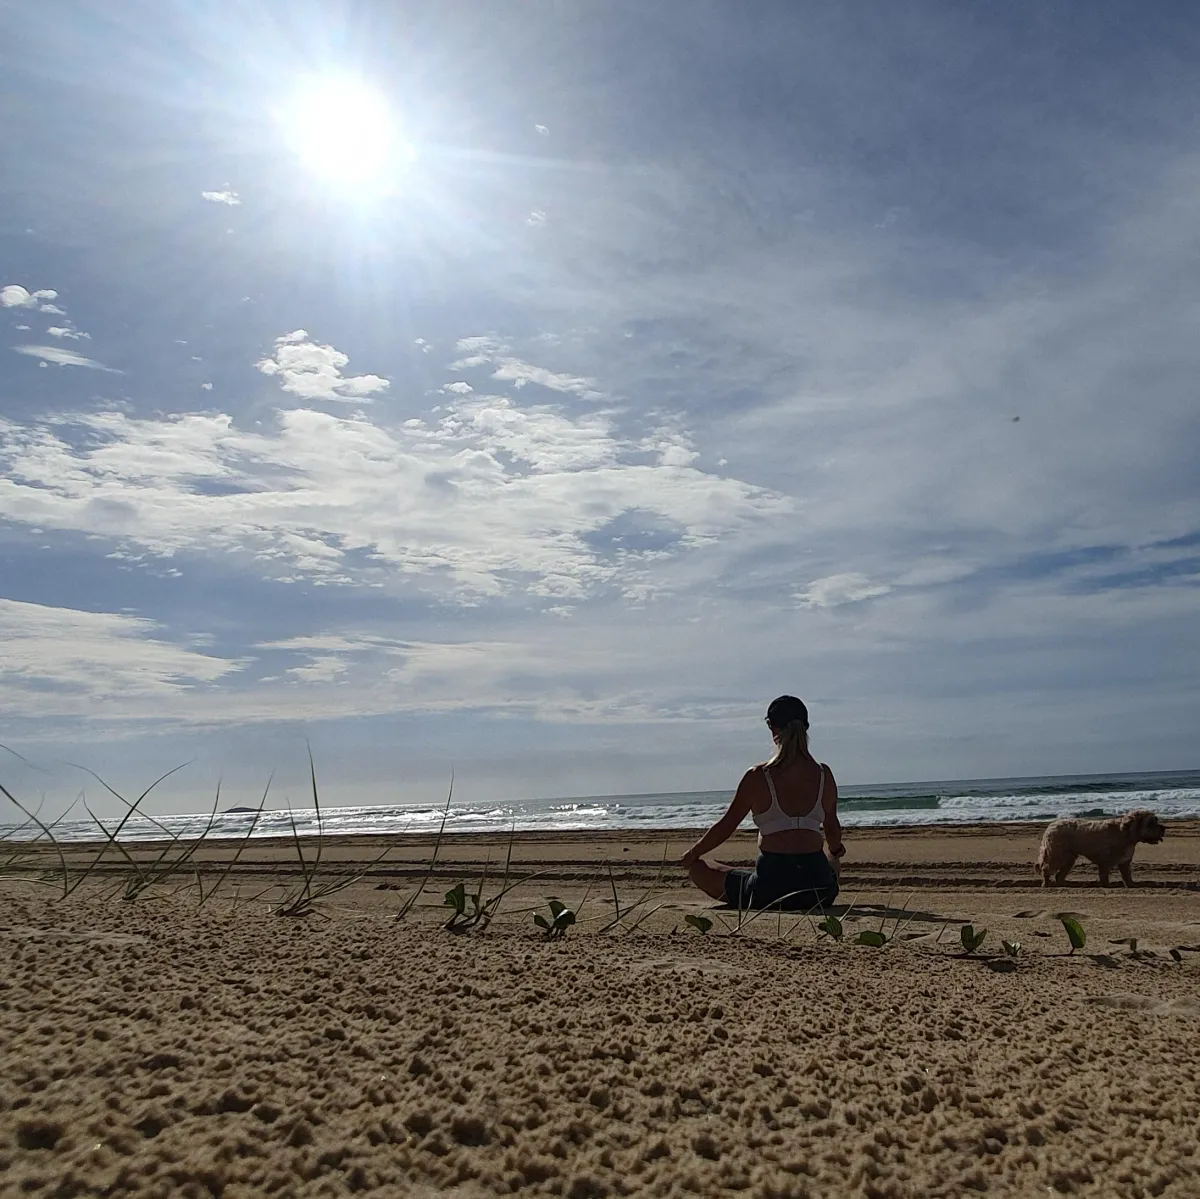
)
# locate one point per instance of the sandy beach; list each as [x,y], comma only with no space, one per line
[157,1046]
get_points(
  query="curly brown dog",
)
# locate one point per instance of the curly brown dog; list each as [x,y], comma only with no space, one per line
[1108,843]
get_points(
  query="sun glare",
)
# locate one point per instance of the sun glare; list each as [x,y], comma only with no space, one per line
[343,131]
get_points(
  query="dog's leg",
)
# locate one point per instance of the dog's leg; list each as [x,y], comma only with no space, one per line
[1126,872]
[1065,869]
[1105,872]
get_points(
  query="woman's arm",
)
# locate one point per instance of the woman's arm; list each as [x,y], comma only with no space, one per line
[833,826]
[724,828]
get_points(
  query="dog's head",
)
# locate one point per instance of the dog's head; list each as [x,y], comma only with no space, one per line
[1142,825]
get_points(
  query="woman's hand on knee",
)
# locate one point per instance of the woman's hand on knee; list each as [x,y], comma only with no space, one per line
[689,859]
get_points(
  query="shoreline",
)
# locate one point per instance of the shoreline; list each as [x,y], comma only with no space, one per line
[637,832]
[921,855]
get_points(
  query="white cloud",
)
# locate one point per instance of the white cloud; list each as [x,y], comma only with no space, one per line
[13,295]
[489,350]
[354,674]
[459,388]
[545,440]
[67,332]
[65,660]
[536,217]
[677,455]
[488,499]
[541,129]
[229,197]
[481,343]
[835,590]
[322,669]
[513,370]
[672,444]
[61,357]
[509,676]
[314,372]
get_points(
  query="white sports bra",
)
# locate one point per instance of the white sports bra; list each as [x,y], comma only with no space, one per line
[776,820]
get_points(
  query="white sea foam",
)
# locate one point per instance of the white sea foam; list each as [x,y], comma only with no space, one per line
[960,802]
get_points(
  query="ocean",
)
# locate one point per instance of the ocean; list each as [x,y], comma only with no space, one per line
[1169,793]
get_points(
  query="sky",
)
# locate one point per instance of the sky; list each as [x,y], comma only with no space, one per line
[532,391]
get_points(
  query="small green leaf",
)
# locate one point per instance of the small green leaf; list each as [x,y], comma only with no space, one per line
[1133,944]
[1075,932]
[564,919]
[541,921]
[1177,955]
[456,898]
[1012,948]
[700,923]
[870,937]
[556,906]
[971,940]
[831,926]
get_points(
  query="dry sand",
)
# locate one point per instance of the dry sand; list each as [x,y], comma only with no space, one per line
[155,1047]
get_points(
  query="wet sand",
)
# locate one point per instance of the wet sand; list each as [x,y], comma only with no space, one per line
[155,1046]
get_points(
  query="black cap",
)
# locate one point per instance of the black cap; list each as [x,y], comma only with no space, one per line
[785,710]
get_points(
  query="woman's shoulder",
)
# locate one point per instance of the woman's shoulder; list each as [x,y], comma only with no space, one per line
[756,777]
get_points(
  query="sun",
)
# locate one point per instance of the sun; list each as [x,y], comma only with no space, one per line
[342,129]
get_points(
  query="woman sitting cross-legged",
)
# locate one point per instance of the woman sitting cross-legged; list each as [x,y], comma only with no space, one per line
[793,801]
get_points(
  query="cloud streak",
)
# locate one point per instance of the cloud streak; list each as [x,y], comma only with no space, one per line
[62,357]
[835,590]
[86,658]
[487,350]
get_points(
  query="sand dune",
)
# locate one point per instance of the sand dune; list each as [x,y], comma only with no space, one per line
[155,1047]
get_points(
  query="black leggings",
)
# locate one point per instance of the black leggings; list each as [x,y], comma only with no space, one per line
[796,882]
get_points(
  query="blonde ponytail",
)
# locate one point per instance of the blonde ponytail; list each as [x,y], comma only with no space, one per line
[793,743]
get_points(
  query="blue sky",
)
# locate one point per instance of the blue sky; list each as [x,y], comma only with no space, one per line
[609,370]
